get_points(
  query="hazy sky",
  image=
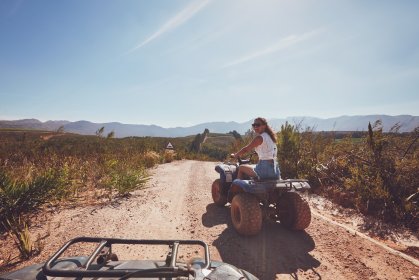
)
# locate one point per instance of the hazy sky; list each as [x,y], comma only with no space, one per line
[177,63]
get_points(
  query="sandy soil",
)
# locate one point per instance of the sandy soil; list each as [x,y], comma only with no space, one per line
[177,205]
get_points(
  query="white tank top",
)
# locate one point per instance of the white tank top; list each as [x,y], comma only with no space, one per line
[267,150]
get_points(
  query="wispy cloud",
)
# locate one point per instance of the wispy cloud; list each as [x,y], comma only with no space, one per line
[280,45]
[183,16]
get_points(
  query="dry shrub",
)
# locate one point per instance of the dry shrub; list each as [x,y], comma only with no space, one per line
[169,155]
[151,158]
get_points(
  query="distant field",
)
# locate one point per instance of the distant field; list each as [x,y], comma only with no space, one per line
[220,141]
[354,140]
[23,130]
[14,139]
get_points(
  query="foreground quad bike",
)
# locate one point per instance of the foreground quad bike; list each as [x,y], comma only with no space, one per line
[103,263]
[254,200]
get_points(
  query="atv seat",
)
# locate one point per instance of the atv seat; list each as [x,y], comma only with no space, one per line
[266,180]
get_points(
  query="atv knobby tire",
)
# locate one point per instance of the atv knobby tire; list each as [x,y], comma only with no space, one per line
[217,193]
[293,211]
[246,214]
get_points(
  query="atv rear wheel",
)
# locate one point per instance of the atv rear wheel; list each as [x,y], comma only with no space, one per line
[293,211]
[217,193]
[246,214]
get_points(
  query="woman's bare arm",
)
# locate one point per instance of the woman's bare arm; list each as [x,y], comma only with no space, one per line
[255,142]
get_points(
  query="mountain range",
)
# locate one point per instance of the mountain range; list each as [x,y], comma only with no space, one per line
[343,123]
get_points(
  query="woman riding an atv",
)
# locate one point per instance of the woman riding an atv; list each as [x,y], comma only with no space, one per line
[265,146]
[265,195]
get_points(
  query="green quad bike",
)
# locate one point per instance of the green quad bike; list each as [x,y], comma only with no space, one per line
[103,263]
[254,200]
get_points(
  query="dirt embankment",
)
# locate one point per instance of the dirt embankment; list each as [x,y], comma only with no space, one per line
[178,205]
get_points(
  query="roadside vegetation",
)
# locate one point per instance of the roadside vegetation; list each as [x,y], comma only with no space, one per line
[41,169]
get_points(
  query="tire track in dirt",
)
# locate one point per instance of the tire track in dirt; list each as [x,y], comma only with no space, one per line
[258,254]
[324,251]
[177,204]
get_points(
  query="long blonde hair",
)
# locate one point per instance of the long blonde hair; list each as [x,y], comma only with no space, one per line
[268,129]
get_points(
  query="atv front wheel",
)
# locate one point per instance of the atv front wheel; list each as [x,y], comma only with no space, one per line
[217,193]
[246,214]
[293,211]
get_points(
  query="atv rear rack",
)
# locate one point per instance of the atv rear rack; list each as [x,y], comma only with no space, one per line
[171,269]
[287,184]
[298,184]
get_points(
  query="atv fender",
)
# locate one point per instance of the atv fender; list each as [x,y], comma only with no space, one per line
[228,172]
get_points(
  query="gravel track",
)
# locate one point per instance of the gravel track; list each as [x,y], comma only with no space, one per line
[177,205]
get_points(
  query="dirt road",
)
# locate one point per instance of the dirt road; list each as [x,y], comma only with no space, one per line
[178,205]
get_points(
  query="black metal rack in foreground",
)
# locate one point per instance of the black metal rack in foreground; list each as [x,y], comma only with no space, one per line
[169,270]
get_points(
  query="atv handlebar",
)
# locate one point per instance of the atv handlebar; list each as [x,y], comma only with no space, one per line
[243,161]
[173,269]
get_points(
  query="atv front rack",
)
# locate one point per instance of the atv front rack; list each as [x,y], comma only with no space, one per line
[171,269]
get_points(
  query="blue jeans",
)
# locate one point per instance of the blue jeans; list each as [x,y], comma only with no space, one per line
[267,169]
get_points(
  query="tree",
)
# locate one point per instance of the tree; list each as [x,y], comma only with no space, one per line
[99,132]
[199,139]
[236,135]
[60,129]
[111,134]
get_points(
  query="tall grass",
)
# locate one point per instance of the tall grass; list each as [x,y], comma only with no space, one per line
[22,238]
[19,197]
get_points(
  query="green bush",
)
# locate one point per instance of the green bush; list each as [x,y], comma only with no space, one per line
[288,150]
